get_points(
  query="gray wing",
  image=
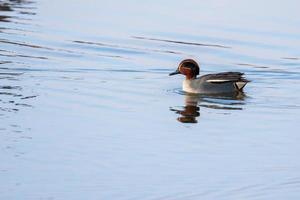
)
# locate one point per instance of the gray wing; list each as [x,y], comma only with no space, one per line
[225,77]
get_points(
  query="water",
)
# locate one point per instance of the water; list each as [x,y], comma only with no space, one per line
[88,110]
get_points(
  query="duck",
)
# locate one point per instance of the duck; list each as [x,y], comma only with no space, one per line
[218,83]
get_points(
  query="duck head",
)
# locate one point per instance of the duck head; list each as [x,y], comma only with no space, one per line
[187,67]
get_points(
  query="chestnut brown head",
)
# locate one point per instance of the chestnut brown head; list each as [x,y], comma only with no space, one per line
[187,67]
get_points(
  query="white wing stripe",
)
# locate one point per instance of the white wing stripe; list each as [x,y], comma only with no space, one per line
[217,80]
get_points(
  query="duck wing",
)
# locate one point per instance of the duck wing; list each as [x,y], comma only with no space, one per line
[225,77]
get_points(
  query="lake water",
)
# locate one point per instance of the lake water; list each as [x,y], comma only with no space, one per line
[88,110]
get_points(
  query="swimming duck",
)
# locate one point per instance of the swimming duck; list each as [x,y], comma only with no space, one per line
[226,82]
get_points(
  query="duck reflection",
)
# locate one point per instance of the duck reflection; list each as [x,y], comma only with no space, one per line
[191,110]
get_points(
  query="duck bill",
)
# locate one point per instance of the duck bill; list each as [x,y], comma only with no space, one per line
[174,73]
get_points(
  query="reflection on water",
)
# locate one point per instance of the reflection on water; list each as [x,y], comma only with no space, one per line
[15,95]
[193,102]
[12,95]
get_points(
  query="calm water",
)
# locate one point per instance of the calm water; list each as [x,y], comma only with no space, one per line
[88,110]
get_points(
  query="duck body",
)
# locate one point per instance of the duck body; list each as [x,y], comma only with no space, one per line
[226,82]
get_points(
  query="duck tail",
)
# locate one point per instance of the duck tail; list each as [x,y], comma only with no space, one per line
[240,85]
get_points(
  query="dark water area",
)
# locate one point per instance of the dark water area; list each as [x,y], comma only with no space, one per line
[88,110]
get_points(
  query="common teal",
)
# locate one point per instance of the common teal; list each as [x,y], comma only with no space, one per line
[225,82]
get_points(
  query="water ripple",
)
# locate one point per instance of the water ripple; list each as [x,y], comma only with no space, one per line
[128,49]
[181,42]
